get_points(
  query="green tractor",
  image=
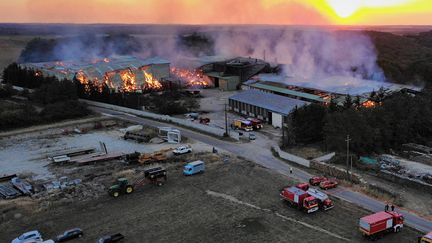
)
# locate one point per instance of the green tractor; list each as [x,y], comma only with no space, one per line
[121,186]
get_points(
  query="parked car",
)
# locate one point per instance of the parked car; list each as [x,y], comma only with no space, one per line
[193,168]
[182,150]
[111,238]
[28,236]
[328,184]
[316,180]
[70,234]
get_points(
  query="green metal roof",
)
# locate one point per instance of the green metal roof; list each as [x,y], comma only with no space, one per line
[218,75]
[288,92]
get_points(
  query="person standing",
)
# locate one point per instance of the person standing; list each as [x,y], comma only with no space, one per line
[386,208]
[392,207]
[290,170]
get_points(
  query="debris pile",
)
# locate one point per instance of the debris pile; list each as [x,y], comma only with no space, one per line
[405,168]
[12,186]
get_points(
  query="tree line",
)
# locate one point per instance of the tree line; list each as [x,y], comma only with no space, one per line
[51,100]
[170,101]
[401,118]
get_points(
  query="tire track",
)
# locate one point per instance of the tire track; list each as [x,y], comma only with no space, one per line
[235,200]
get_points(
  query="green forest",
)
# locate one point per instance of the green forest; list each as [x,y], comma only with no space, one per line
[401,118]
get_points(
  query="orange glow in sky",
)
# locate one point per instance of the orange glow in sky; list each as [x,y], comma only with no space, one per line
[281,12]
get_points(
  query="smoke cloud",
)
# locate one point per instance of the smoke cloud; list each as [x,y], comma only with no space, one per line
[306,53]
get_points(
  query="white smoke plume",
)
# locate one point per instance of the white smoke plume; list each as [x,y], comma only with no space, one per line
[306,53]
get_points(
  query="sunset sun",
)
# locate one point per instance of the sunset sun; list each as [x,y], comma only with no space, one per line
[343,8]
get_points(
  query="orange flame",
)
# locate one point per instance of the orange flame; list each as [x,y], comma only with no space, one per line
[369,104]
[150,82]
[191,78]
[128,78]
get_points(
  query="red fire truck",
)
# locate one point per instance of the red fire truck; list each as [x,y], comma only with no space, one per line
[243,125]
[379,223]
[300,199]
[256,123]
[325,203]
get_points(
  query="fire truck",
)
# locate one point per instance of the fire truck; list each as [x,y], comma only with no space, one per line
[324,202]
[243,125]
[298,198]
[256,123]
[374,225]
[426,238]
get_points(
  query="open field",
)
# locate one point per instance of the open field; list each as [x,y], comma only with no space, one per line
[11,47]
[236,201]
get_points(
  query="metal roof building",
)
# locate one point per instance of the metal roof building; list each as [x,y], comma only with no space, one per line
[287,92]
[269,107]
[104,69]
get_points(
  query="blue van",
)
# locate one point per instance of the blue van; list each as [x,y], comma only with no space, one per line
[193,168]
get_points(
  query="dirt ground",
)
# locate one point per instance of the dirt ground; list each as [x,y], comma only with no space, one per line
[307,152]
[234,201]
[28,153]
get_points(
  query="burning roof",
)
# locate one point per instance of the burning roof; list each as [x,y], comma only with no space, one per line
[127,73]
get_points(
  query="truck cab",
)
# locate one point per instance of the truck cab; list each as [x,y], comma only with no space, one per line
[325,203]
[193,168]
[310,204]
[303,186]
[426,238]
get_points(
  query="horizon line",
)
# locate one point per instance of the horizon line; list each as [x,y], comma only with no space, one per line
[219,24]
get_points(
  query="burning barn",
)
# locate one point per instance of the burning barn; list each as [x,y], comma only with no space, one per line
[120,74]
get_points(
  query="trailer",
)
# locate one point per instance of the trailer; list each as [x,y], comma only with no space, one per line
[325,203]
[377,224]
[298,198]
[156,176]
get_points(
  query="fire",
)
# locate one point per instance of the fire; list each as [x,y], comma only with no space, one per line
[128,78]
[369,104]
[150,82]
[82,78]
[191,78]
[125,80]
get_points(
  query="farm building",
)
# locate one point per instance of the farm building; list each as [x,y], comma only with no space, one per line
[265,106]
[228,75]
[326,89]
[124,73]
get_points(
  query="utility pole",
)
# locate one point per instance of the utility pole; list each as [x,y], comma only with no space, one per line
[283,134]
[226,120]
[347,155]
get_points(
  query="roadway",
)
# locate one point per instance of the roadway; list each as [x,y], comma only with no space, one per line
[262,155]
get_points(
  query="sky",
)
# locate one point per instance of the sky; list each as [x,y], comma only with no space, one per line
[274,12]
